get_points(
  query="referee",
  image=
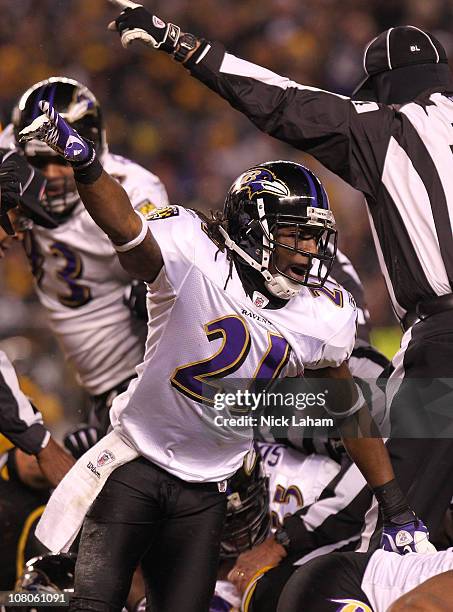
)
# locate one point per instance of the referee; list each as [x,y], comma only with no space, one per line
[393,142]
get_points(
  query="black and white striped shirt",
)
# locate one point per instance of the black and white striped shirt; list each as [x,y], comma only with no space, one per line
[399,157]
[20,423]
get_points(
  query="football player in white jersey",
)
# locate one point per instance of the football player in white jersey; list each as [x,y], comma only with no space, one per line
[225,298]
[433,595]
[367,582]
[78,278]
[335,522]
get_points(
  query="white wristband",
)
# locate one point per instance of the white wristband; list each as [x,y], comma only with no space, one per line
[123,248]
[358,404]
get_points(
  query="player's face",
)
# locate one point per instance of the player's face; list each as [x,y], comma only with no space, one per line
[288,261]
[61,192]
[59,175]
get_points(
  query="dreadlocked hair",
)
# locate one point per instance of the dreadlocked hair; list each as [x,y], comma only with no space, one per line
[211,226]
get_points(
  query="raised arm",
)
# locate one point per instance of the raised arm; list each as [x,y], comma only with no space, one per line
[109,206]
[104,198]
[345,135]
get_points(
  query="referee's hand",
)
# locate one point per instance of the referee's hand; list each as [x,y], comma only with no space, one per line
[136,23]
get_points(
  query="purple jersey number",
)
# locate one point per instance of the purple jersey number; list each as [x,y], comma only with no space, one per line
[191,378]
[69,274]
[334,295]
[283,495]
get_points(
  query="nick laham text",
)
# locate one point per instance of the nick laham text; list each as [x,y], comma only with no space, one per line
[271,421]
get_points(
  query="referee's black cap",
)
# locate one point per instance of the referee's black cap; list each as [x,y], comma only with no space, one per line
[398,47]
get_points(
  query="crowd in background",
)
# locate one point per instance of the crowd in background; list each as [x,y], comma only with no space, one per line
[160,117]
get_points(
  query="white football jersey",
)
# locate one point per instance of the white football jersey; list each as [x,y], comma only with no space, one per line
[389,575]
[203,325]
[81,284]
[295,479]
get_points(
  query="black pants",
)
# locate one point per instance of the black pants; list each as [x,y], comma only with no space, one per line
[321,584]
[421,444]
[171,526]
[270,586]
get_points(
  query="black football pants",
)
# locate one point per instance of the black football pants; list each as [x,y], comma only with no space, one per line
[144,514]
[421,444]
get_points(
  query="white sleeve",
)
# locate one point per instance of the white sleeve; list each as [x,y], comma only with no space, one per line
[7,140]
[338,348]
[175,229]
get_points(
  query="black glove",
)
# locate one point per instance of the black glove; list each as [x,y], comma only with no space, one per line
[136,23]
[135,299]
[23,186]
[81,439]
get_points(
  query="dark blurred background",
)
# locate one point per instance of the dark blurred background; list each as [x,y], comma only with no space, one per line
[159,116]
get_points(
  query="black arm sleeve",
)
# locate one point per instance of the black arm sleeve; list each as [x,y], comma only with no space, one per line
[348,137]
[20,422]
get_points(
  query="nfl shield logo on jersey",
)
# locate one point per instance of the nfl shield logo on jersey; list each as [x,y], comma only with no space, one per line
[260,300]
[105,457]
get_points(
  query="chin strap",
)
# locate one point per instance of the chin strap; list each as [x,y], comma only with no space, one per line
[282,287]
[277,284]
